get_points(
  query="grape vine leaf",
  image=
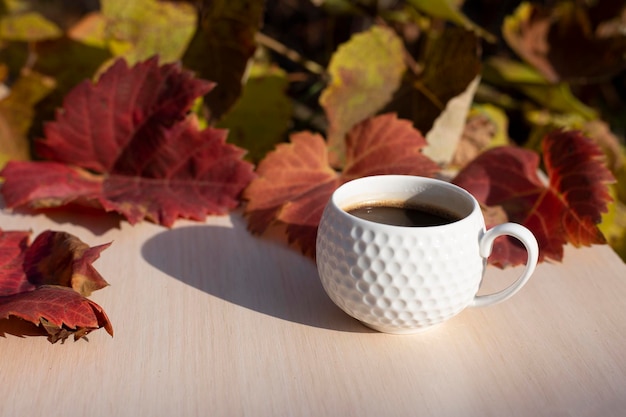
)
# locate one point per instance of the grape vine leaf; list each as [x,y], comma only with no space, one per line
[365,72]
[566,209]
[127,144]
[296,180]
[46,282]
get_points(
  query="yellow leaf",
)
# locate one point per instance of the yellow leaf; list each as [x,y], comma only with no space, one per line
[365,72]
[28,27]
[17,112]
[146,28]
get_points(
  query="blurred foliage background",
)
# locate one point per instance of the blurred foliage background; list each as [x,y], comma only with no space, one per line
[472,75]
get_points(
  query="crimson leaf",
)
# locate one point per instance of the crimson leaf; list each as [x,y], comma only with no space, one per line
[128,144]
[46,283]
[566,209]
[296,180]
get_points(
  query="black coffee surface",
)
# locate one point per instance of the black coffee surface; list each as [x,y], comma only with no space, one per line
[403,215]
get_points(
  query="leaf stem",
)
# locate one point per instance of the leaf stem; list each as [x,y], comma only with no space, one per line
[278,47]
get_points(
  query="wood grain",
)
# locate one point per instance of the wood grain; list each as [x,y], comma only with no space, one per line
[210,320]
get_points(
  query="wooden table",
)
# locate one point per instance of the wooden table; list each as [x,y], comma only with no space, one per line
[212,321]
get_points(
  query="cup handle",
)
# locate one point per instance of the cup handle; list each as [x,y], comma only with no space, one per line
[486,245]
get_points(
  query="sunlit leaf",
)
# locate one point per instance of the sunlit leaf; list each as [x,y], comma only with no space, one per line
[296,180]
[365,72]
[91,30]
[148,27]
[126,144]
[45,283]
[17,112]
[20,21]
[613,224]
[446,132]
[565,210]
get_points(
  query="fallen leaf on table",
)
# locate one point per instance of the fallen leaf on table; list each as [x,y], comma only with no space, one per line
[127,144]
[296,180]
[46,283]
[567,209]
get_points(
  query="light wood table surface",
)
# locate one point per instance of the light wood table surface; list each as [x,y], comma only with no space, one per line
[212,321]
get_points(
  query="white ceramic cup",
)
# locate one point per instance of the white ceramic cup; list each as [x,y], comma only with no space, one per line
[399,279]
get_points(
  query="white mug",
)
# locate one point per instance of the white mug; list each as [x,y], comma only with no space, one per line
[403,279]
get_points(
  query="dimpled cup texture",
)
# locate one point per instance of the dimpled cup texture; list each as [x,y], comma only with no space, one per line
[394,282]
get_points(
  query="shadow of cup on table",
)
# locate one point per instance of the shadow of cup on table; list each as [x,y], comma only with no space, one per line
[252,272]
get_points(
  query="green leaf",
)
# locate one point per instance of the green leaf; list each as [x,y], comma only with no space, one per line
[259,120]
[449,10]
[365,72]
[19,21]
[613,224]
[221,47]
[556,97]
[67,62]
[139,29]
[13,56]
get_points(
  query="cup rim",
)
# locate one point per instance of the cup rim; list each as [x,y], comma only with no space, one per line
[398,180]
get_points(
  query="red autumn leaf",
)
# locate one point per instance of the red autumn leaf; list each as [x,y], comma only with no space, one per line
[127,144]
[46,283]
[565,210]
[296,180]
